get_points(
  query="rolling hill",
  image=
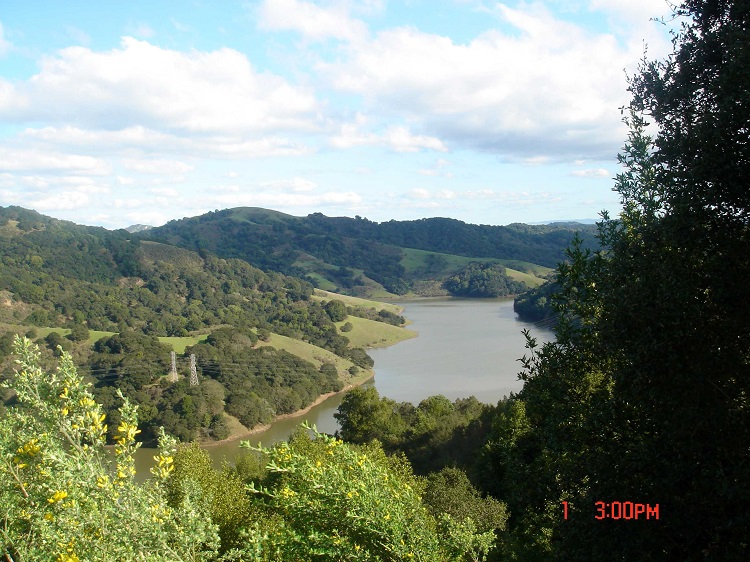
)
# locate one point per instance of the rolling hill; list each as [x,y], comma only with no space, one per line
[361,257]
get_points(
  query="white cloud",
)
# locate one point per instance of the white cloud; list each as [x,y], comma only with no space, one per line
[311,20]
[164,191]
[37,160]
[397,138]
[549,87]
[422,194]
[151,217]
[93,189]
[402,140]
[437,170]
[592,173]
[284,200]
[419,193]
[130,203]
[150,141]
[156,166]
[296,184]
[65,200]
[143,85]
[142,30]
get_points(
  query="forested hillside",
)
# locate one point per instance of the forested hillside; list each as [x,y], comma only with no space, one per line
[363,257]
[108,298]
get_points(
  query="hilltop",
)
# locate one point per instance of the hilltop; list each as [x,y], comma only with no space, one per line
[364,258]
[265,344]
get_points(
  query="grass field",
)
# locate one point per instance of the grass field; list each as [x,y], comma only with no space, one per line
[356,301]
[314,354]
[96,335]
[416,261]
[371,333]
[180,343]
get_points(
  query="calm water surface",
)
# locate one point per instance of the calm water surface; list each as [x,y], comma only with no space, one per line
[465,347]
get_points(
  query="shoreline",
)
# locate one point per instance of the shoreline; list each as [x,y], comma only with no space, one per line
[261,428]
[356,381]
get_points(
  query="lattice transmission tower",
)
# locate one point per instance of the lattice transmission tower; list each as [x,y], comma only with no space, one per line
[193,371]
[172,376]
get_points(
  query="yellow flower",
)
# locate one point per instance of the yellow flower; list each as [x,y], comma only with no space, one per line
[58,496]
[31,448]
[287,492]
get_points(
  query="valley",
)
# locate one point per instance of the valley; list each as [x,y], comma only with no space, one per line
[267,344]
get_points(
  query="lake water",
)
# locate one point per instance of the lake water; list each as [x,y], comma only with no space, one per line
[465,347]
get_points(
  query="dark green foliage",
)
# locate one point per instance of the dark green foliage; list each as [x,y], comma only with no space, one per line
[85,278]
[274,241]
[359,357]
[435,434]
[346,327]
[450,491]
[261,382]
[336,310]
[364,416]
[54,341]
[644,395]
[130,358]
[484,280]
[6,344]
[78,332]
[535,305]
[390,318]
[382,315]
[229,505]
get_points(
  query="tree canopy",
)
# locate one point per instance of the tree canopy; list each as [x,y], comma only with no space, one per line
[643,397]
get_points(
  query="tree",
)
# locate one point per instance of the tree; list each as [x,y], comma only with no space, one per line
[644,395]
[78,332]
[336,310]
[364,416]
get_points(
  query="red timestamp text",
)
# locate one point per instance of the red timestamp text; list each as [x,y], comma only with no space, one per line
[617,511]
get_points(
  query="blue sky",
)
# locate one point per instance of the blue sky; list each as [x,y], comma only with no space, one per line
[121,112]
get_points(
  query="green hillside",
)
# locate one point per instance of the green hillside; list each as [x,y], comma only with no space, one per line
[360,257]
[265,345]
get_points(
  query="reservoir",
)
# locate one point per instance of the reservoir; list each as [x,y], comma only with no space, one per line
[464,347]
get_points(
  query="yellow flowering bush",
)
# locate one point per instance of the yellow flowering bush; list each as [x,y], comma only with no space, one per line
[344,502]
[63,498]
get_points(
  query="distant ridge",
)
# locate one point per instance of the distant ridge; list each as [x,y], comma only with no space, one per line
[567,221]
[138,228]
[365,258]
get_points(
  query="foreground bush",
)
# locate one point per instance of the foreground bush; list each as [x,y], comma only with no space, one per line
[63,497]
[343,502]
